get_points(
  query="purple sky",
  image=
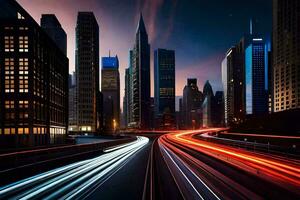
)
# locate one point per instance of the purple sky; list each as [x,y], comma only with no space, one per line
[199,31]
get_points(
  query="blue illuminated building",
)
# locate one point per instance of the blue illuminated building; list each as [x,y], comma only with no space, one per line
[110,62]
[256,69]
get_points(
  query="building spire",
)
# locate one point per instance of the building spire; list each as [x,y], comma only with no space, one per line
[141,25]
[251,27]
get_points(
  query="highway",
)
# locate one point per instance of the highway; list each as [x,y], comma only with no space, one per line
[208,170]
[77,180]
[168,165]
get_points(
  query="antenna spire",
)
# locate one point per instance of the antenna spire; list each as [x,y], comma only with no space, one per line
[251,27]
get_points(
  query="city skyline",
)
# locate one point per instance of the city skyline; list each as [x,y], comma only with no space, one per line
[233,134]
[199,50]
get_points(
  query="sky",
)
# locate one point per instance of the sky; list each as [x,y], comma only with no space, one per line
[200,31]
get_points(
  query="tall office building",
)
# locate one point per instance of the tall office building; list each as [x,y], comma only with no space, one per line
[110,88]
[286,54]
[207,105]
[87,71]
[141,78]
[72,103]
[127,104]
[256,77]
[212,107]
[53,28]
[164,88]
[33,81]
[191,105]
[233,85]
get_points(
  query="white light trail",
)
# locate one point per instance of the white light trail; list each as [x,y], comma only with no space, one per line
[73,179]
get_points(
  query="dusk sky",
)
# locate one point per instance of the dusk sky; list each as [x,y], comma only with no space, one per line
[200,31]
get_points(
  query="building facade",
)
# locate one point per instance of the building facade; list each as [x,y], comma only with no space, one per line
[286,54]
[52,27]
[256,77]
[212,107]
[164,88]
[191,105]
[33,81]
[72,103]
[87,72]
[110,88]
[140,105]
[233,79]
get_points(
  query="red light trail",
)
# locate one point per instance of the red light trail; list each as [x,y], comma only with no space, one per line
[280,170]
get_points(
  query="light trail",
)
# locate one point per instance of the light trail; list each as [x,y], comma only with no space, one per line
[200,189]
[74,179]
[283,172]
[261,135]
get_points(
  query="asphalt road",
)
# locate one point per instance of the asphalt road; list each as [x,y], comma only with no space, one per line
[128,182]
[172,166]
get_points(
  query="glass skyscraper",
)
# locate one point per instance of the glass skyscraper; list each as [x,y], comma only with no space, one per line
[164,88]
[256,77]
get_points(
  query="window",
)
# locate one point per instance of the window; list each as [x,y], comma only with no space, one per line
[23,66]
[9,104]
[9,43]
[20,16]
[9,75]
[23,104]
[23,43]
[9,115]
[8,131]
[23,84]
[23,75]
[22,28]
[23,115]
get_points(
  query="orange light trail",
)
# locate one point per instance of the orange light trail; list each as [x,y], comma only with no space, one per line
[283,171]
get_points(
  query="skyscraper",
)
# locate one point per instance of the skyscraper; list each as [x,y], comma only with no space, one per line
[286,54]
[233,85]
[33,81]
[72,103]
[212,107]
[191,105]
[141,78]
[127,103]
[110,88]
[207,105]
[53,28]
[87,71]
[256,79]
[164,88]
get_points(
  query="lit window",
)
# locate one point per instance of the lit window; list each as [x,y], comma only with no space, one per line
[23,115]
[20,130]
[23,84]
[8,131]
[23,43]
[20,16]
[23,130]
[9,43]
[23,28]
[9,75]
[23,104]
[23,65]
[9,104]
[9,28]
[166,91]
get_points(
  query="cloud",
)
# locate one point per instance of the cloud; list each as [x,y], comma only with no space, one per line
[150,10]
